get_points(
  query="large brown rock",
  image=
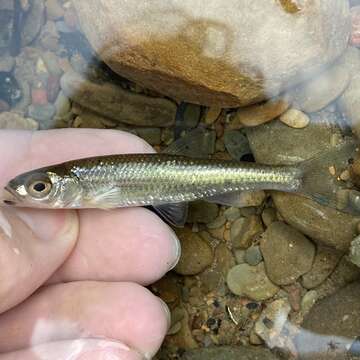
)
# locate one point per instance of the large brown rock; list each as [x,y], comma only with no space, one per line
[231,53]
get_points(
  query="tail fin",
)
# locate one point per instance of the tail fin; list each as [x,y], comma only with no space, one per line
[321,179]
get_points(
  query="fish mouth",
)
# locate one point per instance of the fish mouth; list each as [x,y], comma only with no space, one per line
[9,196]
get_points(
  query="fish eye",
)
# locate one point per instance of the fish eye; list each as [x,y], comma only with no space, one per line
[39,188]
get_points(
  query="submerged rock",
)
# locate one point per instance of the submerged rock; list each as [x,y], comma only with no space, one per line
[287,253]
[251,281]
[331,326]
[209,54]
[10,120]
[116,103]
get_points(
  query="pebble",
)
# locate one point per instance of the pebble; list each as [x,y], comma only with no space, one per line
[12,120]
[202,212]
[253,255]
[308,301]
[43,113]
[236,143]
[287,253]
[240,256]
[49,37]
[232,213]
[150,135]
[269,216]
[54,10]
[229,353]
[53,87]
[191,116]
[319,92]
[114,102]
[196,254]
[62,105]
[331,326]
[271,322]
[33,22]
[324,264]
[212,114]
[218,222]
[7,63]
[39,96]
[243,230]
[4,106]
[251,281]
[258,114]
[52,63]
[295,119]
[354,254]
[355,21]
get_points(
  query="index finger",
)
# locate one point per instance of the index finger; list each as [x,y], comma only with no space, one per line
[22,151]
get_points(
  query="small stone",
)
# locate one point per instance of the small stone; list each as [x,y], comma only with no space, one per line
[236,144]
[54,10]
[62,105]
[345,175]
[52,63]
[196,254]
[39,96]
[308,301]
[232,213]
[49,37]
[71,19]
[258,114]
[287,253]
[53,87]
[243,230]
[271,322]
[7,63]
[212,114]
[319,92]
[254,338]
[355,21]
[324,264]
[295,118]
[150,135]
[253,255]
[354,255]
[269,216]
[251,281]
[11,120]
[33,21]
[191,116]
[42,112]
[218,222]
[202,212]
[240,256]
[4,106]
[116,103]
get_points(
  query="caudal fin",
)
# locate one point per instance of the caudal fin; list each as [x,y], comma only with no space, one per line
[325,177]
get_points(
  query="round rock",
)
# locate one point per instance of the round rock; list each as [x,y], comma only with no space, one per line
[295,119]
[196,253]
[287,253]
[251,281]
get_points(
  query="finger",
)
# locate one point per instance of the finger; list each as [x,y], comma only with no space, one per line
[124,312]
[81,349]
[121,245]
[25,150]
[33,244]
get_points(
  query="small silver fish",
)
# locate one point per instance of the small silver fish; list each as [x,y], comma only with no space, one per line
[167,182]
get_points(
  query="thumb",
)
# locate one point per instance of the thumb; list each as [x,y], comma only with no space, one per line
[33,244]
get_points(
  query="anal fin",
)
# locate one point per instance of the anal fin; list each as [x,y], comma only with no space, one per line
[237,199]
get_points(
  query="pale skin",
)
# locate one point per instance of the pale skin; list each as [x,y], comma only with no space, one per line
[71,284]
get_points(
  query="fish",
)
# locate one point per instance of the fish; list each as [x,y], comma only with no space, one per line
[168,181]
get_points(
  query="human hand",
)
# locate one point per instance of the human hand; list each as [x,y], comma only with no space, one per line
[92,263]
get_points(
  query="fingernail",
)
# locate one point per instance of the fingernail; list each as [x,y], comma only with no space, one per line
[176,249]
[166,311]
[49,225]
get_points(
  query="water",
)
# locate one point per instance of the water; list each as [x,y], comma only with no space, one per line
[274,82]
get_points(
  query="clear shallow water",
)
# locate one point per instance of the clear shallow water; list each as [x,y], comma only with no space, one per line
[276,83]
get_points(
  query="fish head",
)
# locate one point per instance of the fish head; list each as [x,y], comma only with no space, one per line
[44,188]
